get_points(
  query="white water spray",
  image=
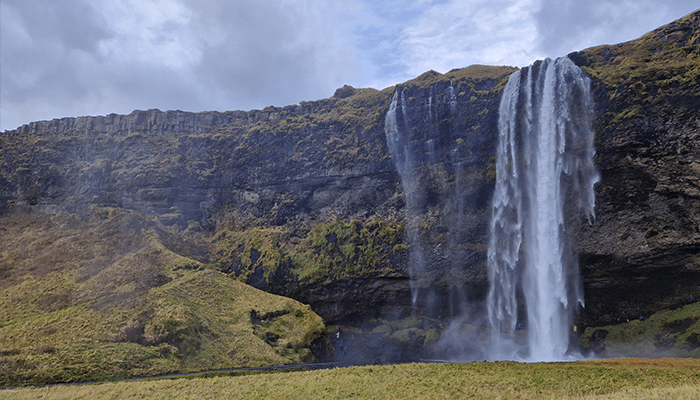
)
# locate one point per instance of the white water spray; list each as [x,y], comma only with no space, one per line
[544,162]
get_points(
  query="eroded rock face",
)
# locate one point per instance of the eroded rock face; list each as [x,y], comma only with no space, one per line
[180,166]
[290,167]
[642,252]
[287,170]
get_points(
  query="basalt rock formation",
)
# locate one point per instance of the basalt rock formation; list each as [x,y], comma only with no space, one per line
[642,253]
[307,201]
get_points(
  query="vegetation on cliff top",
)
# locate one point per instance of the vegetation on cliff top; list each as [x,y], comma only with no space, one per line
[473,75]
[662,64]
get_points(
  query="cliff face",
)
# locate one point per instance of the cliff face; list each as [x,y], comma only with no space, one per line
[177,165]
[308,201]
[643,251]
[277,174]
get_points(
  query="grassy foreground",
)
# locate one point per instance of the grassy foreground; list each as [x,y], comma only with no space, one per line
[600,379]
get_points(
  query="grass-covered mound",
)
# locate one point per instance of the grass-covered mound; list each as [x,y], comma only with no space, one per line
[667,333]
[597,379]
[101,297]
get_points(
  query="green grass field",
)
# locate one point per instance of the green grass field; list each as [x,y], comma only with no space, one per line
[595,379]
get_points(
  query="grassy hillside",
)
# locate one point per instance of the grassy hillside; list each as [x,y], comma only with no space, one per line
[600,379]
[100,296]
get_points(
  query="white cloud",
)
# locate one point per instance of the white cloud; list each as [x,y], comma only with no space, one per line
[265,52]
[149,31]
[466,32]
[564,26]
[78,57]
[88,57]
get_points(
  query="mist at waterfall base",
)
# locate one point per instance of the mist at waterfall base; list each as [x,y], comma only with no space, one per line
[544,188]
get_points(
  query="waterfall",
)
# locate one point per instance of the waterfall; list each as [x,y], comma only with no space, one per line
[399,144]
[451,97]
[544,175]
[411,137]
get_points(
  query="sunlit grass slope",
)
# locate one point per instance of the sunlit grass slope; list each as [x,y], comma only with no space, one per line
[100,296]
[610,379]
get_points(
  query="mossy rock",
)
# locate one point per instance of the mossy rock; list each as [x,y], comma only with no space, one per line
[667,333]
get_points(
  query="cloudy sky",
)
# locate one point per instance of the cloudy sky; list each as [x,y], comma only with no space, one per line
[63,58]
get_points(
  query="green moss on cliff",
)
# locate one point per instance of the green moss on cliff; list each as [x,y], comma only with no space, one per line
[667,333]
[335,249]
[254,247]
[339,249]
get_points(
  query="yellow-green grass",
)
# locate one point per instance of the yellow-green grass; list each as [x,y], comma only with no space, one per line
[99,297]
[471,74]
[610,379]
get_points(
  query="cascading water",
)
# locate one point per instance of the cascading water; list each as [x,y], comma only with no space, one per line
[400,147]
[544,171]
[544,178]
[411,140]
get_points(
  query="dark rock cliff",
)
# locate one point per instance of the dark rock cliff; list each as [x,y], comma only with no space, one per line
[643,252]
[282,171]
[306,200]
